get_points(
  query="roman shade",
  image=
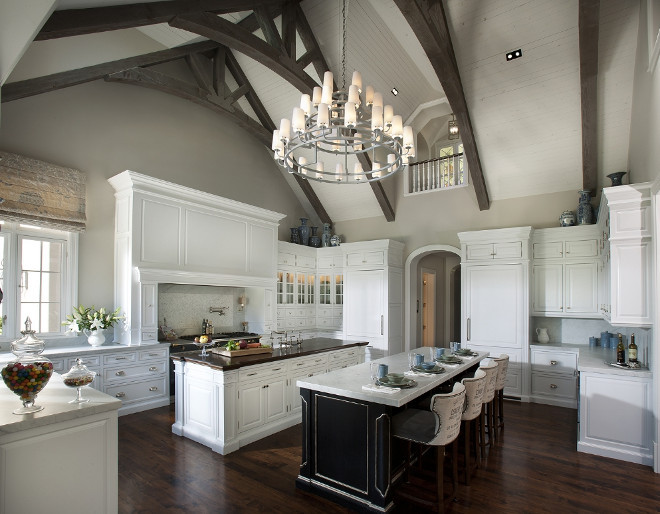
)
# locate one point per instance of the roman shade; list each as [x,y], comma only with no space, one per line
[41,193]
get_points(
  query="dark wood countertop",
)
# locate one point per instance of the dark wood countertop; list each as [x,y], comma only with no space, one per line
[309,347]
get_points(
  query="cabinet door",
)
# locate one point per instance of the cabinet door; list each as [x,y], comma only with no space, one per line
[250,406]
[494,305]
[289,287]
[548,250]
[338,282]
[364,313]
[582,248]
[479,251]
[511,250]
[547,288]
[630,282]
[269,305]
[275,399]
[325,288]
[581,289]
[296,402]
[149,306]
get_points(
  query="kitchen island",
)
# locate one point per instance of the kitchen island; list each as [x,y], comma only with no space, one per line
[62,458]
[225,403]
[347,450]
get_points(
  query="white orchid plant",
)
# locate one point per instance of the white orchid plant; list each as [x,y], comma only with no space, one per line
[89,318]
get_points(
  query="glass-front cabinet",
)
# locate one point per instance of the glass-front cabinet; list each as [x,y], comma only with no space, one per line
[285,287]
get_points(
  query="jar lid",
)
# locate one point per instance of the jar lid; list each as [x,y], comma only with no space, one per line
[28,343]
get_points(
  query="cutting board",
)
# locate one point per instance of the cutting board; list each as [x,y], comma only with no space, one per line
[240,353]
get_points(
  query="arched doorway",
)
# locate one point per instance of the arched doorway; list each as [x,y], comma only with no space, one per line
[445,260]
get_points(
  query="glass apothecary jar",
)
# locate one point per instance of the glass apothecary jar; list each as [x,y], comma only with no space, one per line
[78,376]
[30,372]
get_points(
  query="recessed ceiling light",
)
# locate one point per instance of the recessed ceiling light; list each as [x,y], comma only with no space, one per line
[514,54]
[395,91]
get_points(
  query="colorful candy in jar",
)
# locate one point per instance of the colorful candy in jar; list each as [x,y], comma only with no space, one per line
[26,380]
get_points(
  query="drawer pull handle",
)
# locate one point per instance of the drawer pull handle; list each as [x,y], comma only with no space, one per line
[250,374]
[276,369]
[120,373]
[318,360]
[120,358]
[153,388]
[554,363]
[153,368]
[310,375]
[154,355]
[553,386]
[120,395]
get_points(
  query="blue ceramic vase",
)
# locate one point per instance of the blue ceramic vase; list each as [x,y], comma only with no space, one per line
[325,237]
[295,235]
[303,230]
[314,239]
[585,213]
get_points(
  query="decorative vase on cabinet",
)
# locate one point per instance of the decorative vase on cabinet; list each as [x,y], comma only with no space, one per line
[304,232]
[616,177]
[325,237]
[295,235]
[315,240]
[585,213]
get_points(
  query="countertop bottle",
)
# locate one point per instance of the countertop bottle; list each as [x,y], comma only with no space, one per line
[620,351]
[632,349]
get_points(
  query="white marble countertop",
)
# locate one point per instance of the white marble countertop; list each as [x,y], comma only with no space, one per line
[54,399]
[595,359]
[348,382]
[71,351]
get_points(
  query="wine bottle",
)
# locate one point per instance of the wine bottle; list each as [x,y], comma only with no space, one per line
[620,351]
[632,349]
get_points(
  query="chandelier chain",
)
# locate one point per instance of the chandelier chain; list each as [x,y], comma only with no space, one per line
[343,43]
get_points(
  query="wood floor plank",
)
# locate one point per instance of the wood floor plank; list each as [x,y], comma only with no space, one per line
[533,468]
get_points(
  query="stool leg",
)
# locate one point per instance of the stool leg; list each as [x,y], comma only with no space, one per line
[468,443]
[440,478]
[482,430]
[493,417]
[407,475]
[454,464]
[501,408]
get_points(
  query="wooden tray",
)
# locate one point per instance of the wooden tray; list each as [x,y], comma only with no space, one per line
[240,353]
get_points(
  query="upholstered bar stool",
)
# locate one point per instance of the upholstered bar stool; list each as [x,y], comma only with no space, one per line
[437,427]
[475,388]
[491,380]
[498,410]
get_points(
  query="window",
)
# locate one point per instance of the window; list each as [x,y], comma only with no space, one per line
[38,278]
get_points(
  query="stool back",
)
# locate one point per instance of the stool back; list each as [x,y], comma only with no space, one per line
[475,388]
[503,366]
[448,409]
[491,380]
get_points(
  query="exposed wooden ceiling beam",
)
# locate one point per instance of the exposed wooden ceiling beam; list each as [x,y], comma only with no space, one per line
[429,23]
[161,82]
[36,86]
[231,35]
[74,22]
[588,20]
[377,188]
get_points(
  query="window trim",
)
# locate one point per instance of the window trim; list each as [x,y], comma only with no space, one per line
[12,232]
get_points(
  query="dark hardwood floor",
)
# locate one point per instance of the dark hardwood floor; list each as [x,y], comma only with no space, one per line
[533,468]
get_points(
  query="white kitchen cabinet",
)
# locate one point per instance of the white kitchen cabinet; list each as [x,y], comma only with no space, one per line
[228,409]
[193,249]
[616,416]
[628,274]
[495,299]
[554,376]
[565,272]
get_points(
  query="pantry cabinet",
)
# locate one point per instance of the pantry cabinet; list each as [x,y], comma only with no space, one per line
[565,272]
[495,299]
[625,219]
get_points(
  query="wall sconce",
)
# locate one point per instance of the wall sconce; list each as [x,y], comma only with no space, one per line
[452,128]
[241,302]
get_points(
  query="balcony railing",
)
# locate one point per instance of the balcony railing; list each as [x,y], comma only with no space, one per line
[447,172]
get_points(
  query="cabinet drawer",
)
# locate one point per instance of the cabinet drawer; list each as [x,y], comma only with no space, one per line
[156,353]
[583,248]
[311,360]
[348,353]
[91,361]
[120,358]
[261,372]
[554,385]
[130,372]
[149,335]
[325,312]
[554,361]
[137,391]
[341,363]
[375,258]
[58,366]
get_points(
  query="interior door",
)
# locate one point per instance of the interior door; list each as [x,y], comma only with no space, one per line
[428,308]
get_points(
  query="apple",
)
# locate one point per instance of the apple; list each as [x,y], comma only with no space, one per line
[242,344]
[204,339]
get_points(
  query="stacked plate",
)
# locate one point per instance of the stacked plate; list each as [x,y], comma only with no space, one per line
[435,370]
[465,352]
[449,359]
[403,383]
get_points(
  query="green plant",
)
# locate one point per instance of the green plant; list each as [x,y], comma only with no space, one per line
[89,318]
